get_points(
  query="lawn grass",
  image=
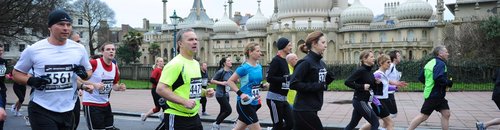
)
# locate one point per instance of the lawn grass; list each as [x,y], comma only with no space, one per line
[136,84]
[143,84]
[338,85]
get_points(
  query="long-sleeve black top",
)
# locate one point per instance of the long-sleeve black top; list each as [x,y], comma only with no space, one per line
[357,81]
[310,78]
[278,70]
[496,90]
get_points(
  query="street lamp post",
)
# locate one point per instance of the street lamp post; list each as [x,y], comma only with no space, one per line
[175,20]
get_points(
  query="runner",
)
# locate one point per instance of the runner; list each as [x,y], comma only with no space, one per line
[394,77]
[105,78]
[496,99]
[3,115]
[20,91]
[204,85]
[248,99]
[291,59]
[310,78]
[222,91]
[436,81]
[363,81]
[76,111]
[158,101]
[54,61]
[278,77]
[180,85]
[3,89]
[381,94]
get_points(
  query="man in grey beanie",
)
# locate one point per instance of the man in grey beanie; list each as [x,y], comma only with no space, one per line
[278,77]
[56,62]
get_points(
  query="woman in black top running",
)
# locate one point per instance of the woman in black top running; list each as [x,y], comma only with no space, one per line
[362,81]
[222,90]
[310,78]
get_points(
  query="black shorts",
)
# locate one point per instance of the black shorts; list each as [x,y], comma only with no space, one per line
[434,104]
[43,119]
[391,105]
[381,111]
[497,101]
[158,100]
[20,91]
[173,122]
[247,113]
[98,117]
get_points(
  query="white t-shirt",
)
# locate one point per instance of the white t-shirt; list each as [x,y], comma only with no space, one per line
[107,78]
[393,74]
[385,82]
[56,62]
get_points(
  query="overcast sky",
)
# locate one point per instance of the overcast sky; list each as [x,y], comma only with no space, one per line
[133,11]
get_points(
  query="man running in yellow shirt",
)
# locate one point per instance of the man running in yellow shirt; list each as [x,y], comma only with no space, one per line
[181,85]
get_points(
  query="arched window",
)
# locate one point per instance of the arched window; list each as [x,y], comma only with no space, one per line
[352,39]
[400,36]
[424,35]
[410,37]
[410,55]
[356,57]
[364,38]
[424,53]
[382,37]
[165,52]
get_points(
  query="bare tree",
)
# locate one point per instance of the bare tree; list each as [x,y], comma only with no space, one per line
[92,12]
[19,18]
[467,42]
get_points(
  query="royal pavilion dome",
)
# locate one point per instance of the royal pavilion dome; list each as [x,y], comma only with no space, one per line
[258,21]
[225,25]
[414,10]
[304,8]
[356,14]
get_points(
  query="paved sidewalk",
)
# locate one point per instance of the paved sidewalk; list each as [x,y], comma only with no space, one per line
[466,108]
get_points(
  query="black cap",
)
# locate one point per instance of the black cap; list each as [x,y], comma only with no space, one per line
[282,43]
[58,16]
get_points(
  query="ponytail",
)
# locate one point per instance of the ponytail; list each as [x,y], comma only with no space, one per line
[303,48]
[221,63]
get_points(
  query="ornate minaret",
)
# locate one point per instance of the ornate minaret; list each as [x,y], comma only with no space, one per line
[276,6]
[230,2]
[440,24]
[164,11]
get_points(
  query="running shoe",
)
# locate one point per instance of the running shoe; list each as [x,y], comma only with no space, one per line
[18,114]
[143,117]
[13,108]
[27,120]
[480,126]
[205,114]
[215,126]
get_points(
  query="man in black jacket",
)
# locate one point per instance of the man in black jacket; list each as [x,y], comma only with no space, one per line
[278,77]
[496,99]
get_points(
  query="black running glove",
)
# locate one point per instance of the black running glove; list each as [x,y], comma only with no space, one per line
[80,71]
[38,82]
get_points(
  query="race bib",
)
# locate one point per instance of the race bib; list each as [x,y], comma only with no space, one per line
[59,78]
[3,69]
[108,86]
[255,90]
[195,91]
[322,75]
[286,84]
